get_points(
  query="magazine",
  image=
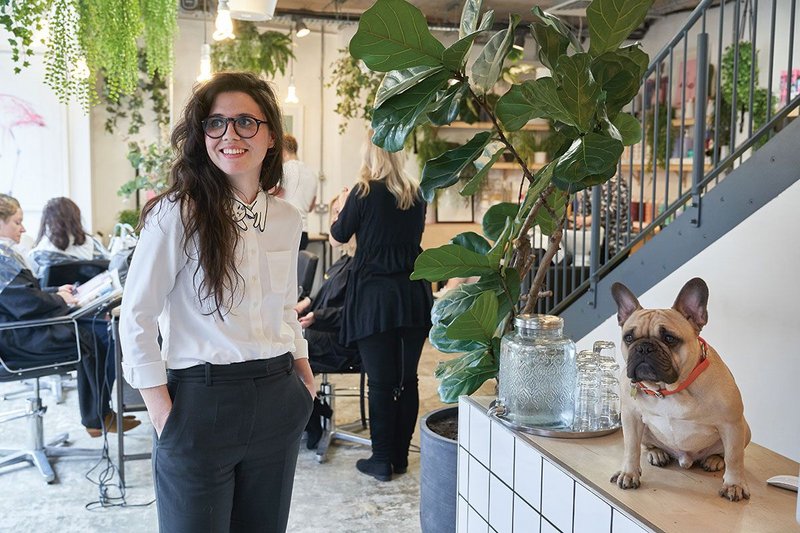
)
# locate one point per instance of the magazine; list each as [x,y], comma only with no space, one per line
[103,285]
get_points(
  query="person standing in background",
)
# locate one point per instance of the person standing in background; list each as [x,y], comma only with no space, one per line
[386,314]
[230,389]
[299,186]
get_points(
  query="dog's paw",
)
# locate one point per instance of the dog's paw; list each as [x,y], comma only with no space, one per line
[626,480]
[734,492]
[713,463]
[658,457]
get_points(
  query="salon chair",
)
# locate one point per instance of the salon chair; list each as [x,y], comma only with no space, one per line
[38,453]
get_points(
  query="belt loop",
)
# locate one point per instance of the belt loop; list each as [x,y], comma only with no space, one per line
[208,374]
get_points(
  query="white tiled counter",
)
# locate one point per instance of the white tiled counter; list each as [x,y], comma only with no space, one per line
[511,482]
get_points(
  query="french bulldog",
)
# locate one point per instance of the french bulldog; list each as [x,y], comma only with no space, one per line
[678,398]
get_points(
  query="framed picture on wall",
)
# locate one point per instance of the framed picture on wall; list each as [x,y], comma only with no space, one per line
[293,124]
[452,207]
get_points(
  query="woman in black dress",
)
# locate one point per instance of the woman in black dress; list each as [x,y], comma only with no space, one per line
[385,313]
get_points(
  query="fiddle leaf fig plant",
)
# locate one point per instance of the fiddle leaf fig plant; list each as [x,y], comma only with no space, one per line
[426,82]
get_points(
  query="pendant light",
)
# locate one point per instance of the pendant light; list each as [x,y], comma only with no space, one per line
[223,24]
[205,51]
[291,92]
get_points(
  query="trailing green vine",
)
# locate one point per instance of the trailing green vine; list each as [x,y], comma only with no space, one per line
[743,88]
[109,29]
[355,87]
[160,21]
[267,52]
[65,56]
[130,106]
[21,18]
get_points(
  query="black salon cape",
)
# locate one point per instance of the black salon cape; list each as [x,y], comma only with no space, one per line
[23,299]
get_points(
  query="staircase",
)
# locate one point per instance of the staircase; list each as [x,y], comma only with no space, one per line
[704,165]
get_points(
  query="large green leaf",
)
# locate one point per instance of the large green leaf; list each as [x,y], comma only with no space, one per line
[554,22]
[619,77]
[635,53]
[530,99]
[629,128]
[470,378]
[571,187]
[445,170]
[486,69]
[395,119]
[587,156]
[557,201]
[397,81]
[469,17]
[443,343]
[478,322]
[455,55]
[577,90]
[473,358]
[392,35]
[491,153]
[445,109]
[450,261]
[552,44]
[494,221]
[612,21]
[472,241]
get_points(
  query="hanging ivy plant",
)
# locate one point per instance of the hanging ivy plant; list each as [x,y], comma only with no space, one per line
[65,57]
[131,106]
[267,52]
[356,87]
[743,88]
[109,29]
[21,18]
[160,21]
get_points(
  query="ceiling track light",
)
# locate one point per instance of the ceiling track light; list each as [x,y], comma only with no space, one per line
[300,29]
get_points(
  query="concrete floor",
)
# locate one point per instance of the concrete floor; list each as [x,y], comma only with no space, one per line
[327,497]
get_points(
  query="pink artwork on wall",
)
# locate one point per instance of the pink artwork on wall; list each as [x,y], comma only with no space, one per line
[15,113]
[795,85]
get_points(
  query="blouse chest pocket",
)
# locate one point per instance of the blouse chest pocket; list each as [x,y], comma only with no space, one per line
[279,264]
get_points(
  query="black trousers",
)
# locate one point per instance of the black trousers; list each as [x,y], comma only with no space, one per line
[390,360]
[96,372]
[226,457]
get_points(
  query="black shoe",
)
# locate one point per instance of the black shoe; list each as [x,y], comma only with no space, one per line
[400,469]
[382,471]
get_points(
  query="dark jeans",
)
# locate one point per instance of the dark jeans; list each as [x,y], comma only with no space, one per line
[226,457]
[390,360]
[96,372]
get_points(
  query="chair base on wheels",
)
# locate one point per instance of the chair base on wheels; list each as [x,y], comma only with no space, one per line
[330,431]
[55,384]
[39,453]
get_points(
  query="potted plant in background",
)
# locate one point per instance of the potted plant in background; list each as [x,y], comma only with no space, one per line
[426,82]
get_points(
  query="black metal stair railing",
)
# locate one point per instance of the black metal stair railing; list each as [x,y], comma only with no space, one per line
[703,110]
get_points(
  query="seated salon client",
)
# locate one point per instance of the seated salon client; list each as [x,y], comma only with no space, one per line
[21,298]
[230,389]
[386,314]
[62,237]
[321,318]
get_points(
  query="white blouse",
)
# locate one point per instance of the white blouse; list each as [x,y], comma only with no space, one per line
[161,294]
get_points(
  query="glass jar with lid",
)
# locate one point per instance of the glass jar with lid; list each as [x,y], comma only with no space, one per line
[537,375]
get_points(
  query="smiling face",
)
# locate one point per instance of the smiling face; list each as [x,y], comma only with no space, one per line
[240,159]
[12,227]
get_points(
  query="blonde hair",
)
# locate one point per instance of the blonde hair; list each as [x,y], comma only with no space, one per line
[8,206]
[379,164]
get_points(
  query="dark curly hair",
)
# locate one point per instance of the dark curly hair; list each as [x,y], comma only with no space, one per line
[199,186]
[61,219]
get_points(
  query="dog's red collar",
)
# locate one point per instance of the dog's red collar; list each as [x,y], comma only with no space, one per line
[698,369]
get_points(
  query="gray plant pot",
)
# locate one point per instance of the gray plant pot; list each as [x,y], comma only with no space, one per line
[438,471]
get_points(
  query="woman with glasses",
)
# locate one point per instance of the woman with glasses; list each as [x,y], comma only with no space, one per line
[215,272]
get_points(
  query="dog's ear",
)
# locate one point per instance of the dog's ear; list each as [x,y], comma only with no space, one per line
[692,302]
[626,302]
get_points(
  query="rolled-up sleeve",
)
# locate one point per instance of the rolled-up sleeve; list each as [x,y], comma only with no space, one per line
[157,260]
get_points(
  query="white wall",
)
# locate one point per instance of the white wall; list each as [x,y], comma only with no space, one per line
[752,316]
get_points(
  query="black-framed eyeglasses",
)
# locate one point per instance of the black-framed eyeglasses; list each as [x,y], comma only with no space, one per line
[245,126]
